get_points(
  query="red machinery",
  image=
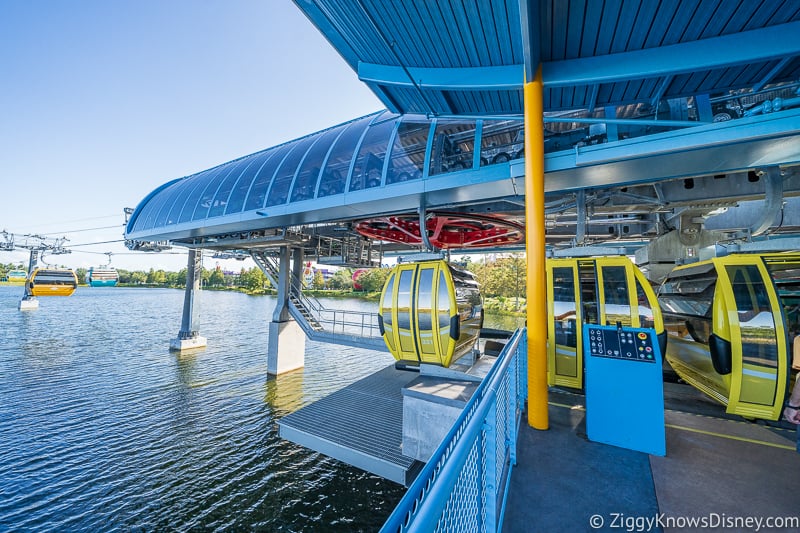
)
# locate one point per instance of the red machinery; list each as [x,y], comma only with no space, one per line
[445,230]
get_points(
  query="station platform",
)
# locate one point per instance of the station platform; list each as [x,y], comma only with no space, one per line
[362,424]
[719,469]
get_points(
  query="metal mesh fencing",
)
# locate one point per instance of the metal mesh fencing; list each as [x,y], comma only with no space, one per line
[462,487]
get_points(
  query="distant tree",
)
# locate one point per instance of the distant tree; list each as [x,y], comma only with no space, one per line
[505,276]
[156,277]
[253,279]
[81,274]
[180,277]
[373,279]
[318,282]
[216,279]
[342,280]
[173,279]
[138,277]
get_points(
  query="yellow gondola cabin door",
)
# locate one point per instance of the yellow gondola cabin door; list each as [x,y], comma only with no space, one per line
[759,357]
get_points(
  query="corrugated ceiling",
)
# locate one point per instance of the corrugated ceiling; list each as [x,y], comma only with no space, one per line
[467,57]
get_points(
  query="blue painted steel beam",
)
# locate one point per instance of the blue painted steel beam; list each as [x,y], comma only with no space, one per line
[774,42]
[451,79]
[771,74]
[530,23]
[627,121]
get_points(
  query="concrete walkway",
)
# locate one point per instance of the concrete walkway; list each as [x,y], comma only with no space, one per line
[728,475]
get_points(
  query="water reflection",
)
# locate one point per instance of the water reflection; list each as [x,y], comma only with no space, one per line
[285,392]
[102,428]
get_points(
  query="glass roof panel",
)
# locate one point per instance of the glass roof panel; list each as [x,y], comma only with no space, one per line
[239,193]
[369,165]
[202,182]
[169,197]
[453,146]
[186,186]
[501,141]
[334,176]
[153,207]
[258,192]
[220,201]
[207,196]
[307,176]
[192,185]
[279,191]
[408,150]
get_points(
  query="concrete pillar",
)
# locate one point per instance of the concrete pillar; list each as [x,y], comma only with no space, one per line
[286,346]
[29,302]
[188,338]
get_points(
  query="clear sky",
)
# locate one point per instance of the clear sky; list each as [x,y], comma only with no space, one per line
[102,101]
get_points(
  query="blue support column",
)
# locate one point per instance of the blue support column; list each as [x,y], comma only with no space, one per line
[29,302]
[189,338]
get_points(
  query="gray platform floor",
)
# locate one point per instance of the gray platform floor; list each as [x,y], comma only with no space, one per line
[716,468]
[360,424]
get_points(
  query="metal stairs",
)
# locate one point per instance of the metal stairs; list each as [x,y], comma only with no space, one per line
[320,323]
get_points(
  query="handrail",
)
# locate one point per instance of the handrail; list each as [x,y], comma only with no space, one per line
[338,321]
[424,506]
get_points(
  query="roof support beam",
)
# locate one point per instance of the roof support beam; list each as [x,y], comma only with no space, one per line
[771,74]
[530,25]
[740,48]
[448,79]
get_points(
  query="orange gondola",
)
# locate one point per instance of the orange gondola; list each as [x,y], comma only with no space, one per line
[51,282]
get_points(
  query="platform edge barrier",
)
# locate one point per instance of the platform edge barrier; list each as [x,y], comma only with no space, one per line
[475,457]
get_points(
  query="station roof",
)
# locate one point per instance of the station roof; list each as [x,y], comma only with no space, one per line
[326,175]
[451,76]
[471,58]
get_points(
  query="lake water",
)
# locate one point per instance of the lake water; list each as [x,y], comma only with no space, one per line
[102,428]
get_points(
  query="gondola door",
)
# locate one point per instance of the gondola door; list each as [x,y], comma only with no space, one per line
[615,281]
[405,281]
[759,360]
[564,354]
[425,313]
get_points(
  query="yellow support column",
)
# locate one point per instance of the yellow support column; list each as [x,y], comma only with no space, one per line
[535,253]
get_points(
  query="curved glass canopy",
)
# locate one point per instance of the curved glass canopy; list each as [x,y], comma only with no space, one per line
[378,150]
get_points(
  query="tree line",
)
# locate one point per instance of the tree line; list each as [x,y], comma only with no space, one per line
[500,277]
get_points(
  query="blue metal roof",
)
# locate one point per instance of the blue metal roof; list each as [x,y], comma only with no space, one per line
[451,74]
[468,58]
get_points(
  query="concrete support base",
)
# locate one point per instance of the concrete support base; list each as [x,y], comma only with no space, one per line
[430,407]
[191,343]
[28,304]
[286,349]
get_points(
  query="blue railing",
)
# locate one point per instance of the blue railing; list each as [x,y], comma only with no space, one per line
[464,485]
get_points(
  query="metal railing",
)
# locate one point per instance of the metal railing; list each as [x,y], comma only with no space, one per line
[315,318]
[464,486]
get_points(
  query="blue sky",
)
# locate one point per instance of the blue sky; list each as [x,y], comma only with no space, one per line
[103,101]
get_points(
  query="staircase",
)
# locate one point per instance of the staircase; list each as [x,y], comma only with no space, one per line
[320,323]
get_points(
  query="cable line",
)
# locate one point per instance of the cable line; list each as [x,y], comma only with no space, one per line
[93,243]
[84,229]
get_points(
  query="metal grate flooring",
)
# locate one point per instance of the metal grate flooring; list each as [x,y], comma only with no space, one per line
[361,425]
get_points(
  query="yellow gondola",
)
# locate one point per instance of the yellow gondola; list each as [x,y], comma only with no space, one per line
[430,312]
[592,290]
[51,282]
[733,323]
